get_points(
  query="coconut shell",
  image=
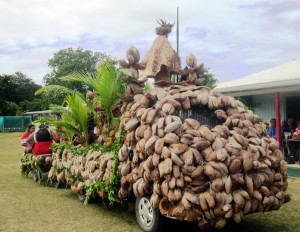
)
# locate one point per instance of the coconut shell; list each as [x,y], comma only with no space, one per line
[171,138]
[192,132]
[178,148]
[165,167]
[154,200]
[156,159]
[220,223]
[147,133]
[176,171]
[200,143]
[190,123]
[198,172]
[180,182]
[165,188]
[198,159]
[186,139]
[149,145]
[159,143]
[176,159]
[150,116]
[168,109]
[235,166]
[131,124]
[206,133]
[217,185]
[218,144]
[221,154]
[210,172]
[172,127]
[249,184]
[192,198]
[172,183]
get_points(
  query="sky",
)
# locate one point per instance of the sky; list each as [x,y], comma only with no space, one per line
[233,38]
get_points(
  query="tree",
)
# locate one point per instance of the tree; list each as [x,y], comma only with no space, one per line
[25,87]
[67,61]
[15,89]
[210,80]
[7,88]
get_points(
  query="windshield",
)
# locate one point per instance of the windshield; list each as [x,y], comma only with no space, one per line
[202,114]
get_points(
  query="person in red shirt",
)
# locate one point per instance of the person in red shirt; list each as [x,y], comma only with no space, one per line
[27,142]
[294,156]
[296,134]
[43,139]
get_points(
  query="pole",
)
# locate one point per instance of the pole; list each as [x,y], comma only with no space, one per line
[278,124]
[177,31]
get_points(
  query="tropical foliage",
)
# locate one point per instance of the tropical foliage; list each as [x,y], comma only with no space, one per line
[74,119]
[70,60]
[17,94]
[107,85]
[210,80]
[78,112]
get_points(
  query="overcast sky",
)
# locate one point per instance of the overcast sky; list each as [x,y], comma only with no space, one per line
[233,38]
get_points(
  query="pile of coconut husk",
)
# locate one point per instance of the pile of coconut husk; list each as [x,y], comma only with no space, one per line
[79,171]
[204,174]
[29,162]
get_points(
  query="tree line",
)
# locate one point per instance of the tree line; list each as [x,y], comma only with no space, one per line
[17,91]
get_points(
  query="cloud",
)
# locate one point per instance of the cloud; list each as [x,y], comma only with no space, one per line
[234,38]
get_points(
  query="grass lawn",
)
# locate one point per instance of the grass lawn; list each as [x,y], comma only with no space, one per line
[28,206]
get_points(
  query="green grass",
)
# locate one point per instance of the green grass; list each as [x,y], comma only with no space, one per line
[28,206]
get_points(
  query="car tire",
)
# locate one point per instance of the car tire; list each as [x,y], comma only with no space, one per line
[81,197]
[35,176]
[148,218]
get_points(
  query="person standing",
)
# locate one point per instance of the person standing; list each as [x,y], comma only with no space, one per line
[294,156]
[272,128]
[289,127]
[296,134]
[27,142]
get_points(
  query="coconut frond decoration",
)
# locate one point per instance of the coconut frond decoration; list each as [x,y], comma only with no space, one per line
[164,28]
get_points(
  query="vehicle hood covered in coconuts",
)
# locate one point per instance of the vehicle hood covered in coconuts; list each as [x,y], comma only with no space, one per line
[205,174]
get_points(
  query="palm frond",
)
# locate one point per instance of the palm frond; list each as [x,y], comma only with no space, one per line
[109,86]
[85,78]
[62,126]
[74,118]
[77,111]
[53,90]
[106,82]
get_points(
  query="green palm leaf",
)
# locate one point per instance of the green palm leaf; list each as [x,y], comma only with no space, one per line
[56,90]
[53,90]
[107,84]
[74,118]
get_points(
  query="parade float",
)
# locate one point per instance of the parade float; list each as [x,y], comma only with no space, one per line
[179,149]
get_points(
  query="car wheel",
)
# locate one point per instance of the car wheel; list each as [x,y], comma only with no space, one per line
[149,219]
[35,176]
[81,197]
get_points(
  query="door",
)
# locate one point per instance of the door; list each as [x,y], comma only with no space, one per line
[293,106]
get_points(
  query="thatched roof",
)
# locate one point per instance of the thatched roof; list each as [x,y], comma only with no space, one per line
[160,55]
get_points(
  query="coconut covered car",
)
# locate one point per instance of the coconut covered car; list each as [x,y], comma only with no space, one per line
[182,150]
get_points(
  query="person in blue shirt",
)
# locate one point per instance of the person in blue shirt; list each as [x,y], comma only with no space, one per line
[272,128]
